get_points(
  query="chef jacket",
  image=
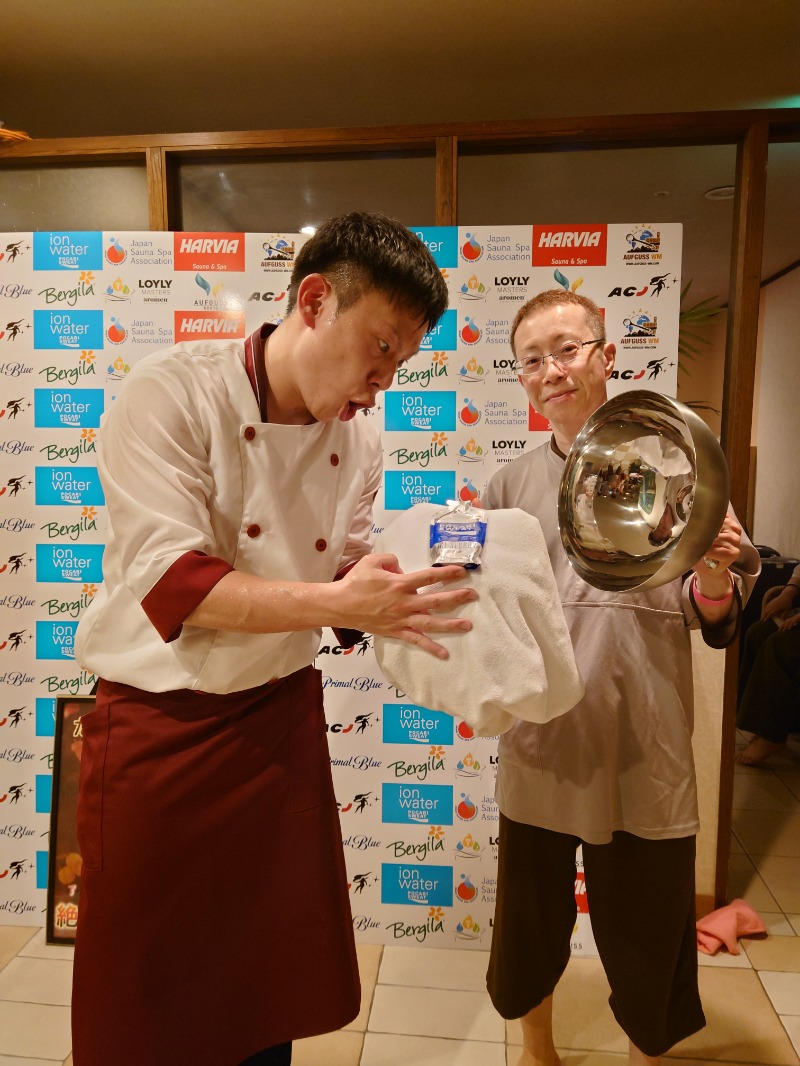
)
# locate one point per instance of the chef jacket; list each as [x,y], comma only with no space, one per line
[196,485]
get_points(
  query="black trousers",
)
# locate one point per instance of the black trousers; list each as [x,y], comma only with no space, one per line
[769,682]
[642,906]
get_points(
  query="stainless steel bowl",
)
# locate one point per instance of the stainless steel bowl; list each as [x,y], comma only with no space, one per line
[643,494]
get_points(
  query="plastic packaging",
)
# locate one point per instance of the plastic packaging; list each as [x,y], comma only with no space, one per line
[457,537]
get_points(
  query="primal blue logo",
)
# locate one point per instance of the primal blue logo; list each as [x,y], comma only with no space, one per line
[423,886]
[441,242]
[76,485]
[70,250]
[417,804]
[55,640]
[69,562]
[442,338]
[45,718]
[67,407]
[404,488]
[423,411]
[78,330]
[406,723]
[44,792]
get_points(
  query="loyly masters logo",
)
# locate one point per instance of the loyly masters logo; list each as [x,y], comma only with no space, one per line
[473,289]
[437,449]
[468,929]
[472,371]
[471,452]
[468,848]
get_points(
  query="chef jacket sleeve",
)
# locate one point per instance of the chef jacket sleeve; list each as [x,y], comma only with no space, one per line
[157,479]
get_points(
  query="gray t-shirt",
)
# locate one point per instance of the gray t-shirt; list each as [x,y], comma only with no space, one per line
[621,759]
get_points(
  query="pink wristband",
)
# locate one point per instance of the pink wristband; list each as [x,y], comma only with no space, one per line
[706,602]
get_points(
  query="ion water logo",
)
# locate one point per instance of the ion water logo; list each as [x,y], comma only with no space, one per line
[406,723]
[53,408]
[404,489]
[417,804]
[67,329]
[441,242]
[60,563]
[420,411]
[75,486]
[68,250]
[421,886]
[443,335]
[55,640]
[45,717]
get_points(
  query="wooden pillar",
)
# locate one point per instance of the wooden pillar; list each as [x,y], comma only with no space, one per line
[737,416]
[446,181]
[157,189]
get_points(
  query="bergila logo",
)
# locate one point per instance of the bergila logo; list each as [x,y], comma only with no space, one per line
[569,245]
[198,325]
[209,251]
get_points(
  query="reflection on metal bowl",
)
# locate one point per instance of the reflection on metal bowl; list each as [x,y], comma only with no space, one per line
[643,494]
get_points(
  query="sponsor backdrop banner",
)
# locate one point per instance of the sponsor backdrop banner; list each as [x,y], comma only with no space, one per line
[77,312]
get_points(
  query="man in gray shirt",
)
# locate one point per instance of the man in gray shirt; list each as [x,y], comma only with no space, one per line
[615,774]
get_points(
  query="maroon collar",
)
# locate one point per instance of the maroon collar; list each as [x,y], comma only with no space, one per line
[255,365]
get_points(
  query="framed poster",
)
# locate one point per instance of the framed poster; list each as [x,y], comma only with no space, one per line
[64,861]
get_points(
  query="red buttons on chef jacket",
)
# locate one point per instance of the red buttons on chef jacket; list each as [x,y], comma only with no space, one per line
[254,531]
[249,433]
[321,545]
[334,459]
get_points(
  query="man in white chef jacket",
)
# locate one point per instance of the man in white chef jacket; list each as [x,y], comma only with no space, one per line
[239,478]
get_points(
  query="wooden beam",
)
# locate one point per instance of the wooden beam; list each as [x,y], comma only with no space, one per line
[157,191]
[696,127]
[737,416]
[446,181]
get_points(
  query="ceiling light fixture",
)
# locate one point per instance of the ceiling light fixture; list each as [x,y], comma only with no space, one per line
[721,192]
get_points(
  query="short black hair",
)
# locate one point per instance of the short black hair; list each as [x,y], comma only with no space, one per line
[363,252]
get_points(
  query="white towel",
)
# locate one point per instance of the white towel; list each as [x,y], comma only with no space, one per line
[517,660]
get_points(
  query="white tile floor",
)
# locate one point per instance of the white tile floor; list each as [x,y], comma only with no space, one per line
[429,1007]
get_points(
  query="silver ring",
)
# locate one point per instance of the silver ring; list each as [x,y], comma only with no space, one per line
[712,564]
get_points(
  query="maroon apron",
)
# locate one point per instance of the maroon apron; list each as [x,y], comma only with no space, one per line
[214,917]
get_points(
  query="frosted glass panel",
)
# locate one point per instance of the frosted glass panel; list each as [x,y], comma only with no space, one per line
[646,184]
[286,194]
[98,197]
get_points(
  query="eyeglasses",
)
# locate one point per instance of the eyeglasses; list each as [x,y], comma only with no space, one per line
[530,366]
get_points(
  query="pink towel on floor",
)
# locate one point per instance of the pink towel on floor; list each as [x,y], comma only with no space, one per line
[723,927]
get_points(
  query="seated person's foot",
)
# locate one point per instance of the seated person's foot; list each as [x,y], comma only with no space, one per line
[757,751]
